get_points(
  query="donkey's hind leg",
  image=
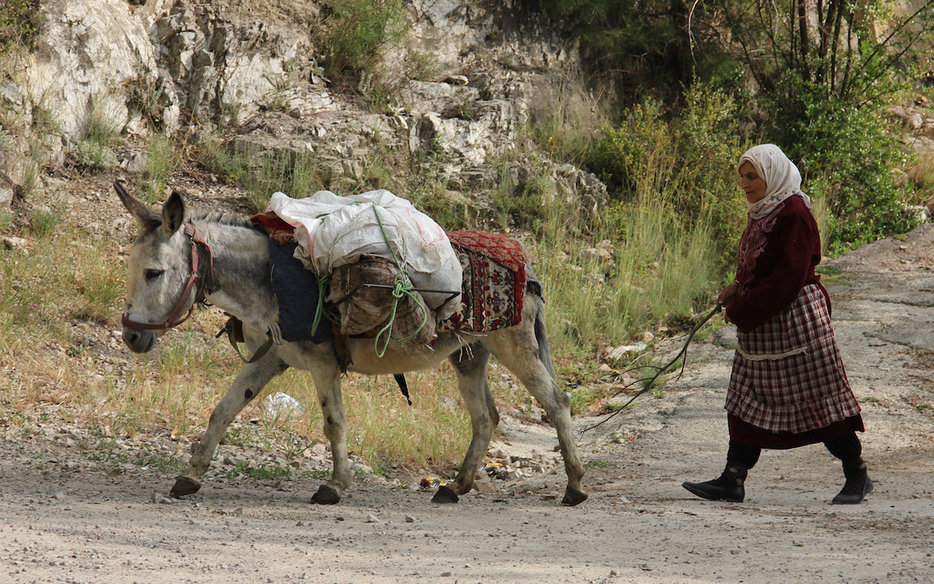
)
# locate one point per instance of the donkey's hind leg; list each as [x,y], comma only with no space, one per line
[523,349]
[470,363]
[250,381]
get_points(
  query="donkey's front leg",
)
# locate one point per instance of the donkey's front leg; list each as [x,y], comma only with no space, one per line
[251,380]
[326,375]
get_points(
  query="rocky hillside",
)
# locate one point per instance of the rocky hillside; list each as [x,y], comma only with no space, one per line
[465,77]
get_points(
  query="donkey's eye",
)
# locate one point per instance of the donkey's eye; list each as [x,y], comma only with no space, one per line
[153,274]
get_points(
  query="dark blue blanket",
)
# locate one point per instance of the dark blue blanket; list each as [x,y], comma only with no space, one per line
[297,291]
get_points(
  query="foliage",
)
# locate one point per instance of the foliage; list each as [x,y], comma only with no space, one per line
[19,24]
[421,65]
[43,223]
[642,48]
[101,131]
[357,30]
[685,164]
[849,154]
[161,160]
[263,172]
[564,123]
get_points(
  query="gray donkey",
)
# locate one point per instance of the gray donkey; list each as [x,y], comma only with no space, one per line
[180,260]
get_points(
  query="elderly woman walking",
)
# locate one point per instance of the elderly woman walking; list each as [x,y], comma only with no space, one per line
[788,386]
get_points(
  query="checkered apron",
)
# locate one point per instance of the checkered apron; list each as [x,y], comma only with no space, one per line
[787,373]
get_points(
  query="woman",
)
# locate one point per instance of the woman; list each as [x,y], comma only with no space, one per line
[788,387]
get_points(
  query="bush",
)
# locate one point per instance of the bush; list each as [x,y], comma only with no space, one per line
[823,84]
[19,24]
[687,164]
[849,155]
[357,29]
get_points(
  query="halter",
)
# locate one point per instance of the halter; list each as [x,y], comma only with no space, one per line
[195,282]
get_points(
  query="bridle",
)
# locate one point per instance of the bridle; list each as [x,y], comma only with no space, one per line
[201,284]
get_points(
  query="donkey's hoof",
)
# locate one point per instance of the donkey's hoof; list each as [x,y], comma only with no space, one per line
[573,497]
[445,495]
[185,486]
[326,496]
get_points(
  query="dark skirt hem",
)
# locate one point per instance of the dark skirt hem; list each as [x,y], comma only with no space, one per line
[744,433]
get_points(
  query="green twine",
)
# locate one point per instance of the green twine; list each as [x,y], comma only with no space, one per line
[323,282]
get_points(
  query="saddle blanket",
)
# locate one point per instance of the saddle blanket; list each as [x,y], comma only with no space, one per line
[494,281]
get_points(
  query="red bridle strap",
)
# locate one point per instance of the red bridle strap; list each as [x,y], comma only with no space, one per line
[195,283]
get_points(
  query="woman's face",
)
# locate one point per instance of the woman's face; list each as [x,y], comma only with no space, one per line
[751,182]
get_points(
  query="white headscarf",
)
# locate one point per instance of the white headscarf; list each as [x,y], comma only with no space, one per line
[781,177]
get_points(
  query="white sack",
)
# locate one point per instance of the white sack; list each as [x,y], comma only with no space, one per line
[332,231]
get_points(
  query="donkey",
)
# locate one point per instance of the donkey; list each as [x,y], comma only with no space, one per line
[179,260]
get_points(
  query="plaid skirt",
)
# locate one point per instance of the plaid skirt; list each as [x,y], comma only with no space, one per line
[787,373]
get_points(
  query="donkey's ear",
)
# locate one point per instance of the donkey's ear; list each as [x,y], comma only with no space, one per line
[173,214]
[148,218]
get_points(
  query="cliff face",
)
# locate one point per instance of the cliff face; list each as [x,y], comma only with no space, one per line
[252,71]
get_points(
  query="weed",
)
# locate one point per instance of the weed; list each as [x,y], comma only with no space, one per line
[161,160]
[43,223]
[421,65]
[162,464]
[101,130]
[357,30]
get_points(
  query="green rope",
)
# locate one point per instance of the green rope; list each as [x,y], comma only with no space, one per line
[402,287]
[324,281]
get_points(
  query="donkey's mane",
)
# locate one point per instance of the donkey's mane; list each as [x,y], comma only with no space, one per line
[221,218]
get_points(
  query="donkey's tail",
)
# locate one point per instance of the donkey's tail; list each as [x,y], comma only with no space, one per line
[541,336]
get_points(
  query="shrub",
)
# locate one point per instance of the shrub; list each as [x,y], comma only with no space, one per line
[825,74]
[357,29]
[19,24]
[849,154]
[686,164]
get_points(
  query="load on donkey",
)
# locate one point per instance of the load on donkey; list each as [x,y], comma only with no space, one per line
[182,259]
[388,268]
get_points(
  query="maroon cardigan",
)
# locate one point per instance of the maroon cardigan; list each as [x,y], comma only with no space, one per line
[776,258]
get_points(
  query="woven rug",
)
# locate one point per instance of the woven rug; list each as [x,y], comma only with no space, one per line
[494,282]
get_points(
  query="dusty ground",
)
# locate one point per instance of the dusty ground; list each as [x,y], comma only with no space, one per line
[68,519]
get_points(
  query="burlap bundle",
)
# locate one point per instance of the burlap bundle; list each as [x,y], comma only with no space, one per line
[366,309]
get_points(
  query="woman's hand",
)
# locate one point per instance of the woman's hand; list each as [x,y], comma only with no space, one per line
[728,295]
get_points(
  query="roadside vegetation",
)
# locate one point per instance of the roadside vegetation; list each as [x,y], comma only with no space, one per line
[639,269]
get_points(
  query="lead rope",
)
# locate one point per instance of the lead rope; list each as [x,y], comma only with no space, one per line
[402,287]
[649,381]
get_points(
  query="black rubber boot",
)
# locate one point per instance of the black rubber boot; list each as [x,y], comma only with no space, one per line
[857,484]
[727,487]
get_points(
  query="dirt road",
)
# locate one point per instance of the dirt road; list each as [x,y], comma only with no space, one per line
[70,520]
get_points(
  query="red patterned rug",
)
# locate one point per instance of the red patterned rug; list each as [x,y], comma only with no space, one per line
[494,281]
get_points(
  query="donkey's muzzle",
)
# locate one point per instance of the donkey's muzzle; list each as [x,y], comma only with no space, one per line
[139,341]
